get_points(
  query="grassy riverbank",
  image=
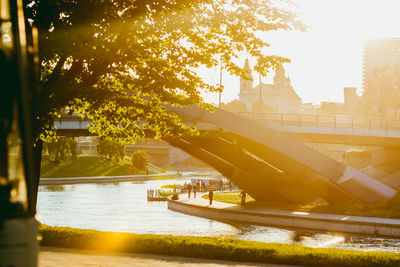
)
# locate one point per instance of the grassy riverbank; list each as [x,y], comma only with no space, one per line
[86,166]
[230,197]
[213,248]
[385,209]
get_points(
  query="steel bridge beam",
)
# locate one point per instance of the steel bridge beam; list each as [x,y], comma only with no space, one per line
[234,174]
[272,180]
[325,173]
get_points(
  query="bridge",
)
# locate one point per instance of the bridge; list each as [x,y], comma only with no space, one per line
[266,160]
[308,127]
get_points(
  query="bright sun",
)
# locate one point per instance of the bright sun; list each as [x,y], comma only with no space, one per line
[328,56]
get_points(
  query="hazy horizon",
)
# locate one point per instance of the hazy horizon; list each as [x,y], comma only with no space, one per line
[328,56]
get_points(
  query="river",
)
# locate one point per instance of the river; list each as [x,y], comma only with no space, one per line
[123,207]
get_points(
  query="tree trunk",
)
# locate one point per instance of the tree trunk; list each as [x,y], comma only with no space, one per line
[3,157]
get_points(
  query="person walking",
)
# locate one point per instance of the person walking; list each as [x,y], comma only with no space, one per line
[194,190]
[189,188]
[242,197]
[198,185]
[210,196]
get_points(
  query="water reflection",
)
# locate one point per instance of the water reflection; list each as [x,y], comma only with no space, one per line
[123,207]
[54,188]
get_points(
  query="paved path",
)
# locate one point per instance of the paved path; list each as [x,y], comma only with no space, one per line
[257,209]
[62,257]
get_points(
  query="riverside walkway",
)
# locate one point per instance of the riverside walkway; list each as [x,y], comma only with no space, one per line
[106,179]
[256,214]
[60,257]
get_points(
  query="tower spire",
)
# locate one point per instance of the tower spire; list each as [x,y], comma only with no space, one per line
[246,64]
[246,84]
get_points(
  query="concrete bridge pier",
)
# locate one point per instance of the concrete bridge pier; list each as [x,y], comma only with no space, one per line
[234,174]
[272,180]
[304,178]
[326,174]
[384,156]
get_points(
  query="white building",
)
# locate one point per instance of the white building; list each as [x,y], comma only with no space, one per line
[280,95]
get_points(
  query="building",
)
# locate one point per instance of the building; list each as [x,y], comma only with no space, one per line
[279,96]
[307,108]
[351,101]
[381,63]
[379,53]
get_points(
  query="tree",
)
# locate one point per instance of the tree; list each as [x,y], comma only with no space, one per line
[139,159]
[382,92]
[330,108]
[62,149]
[234,106]
[119,62]
[110,150]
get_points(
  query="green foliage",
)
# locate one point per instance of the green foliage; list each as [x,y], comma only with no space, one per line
[172,186]
[87,166]
[213,248]
[110,150]
[139,159]
[120,62]
[229,197]
[62,149]
[166,193]
[155,168]
[385,209]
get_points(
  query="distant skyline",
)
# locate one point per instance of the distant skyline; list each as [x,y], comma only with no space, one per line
[328,56]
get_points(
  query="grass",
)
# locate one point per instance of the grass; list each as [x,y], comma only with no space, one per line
[172,186]
[166,193]
[86,166]
[156,168]
[385,209]
[229,197]
[213,248]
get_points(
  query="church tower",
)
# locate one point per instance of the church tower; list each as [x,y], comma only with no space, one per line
[280,77]
[246,85]
[280,80]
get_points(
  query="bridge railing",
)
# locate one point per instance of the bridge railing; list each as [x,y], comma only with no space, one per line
[324,121]
[302,121]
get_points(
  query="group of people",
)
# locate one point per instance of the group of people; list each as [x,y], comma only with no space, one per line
[200,186]
[189,188]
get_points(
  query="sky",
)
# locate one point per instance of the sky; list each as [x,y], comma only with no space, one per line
[328,56]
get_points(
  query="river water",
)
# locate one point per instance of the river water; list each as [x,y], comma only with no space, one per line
[123,207]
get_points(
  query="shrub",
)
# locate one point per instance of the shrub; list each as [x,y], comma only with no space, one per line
[139,160]
[62,149]
[166,193]
[110,150]
[213,248]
